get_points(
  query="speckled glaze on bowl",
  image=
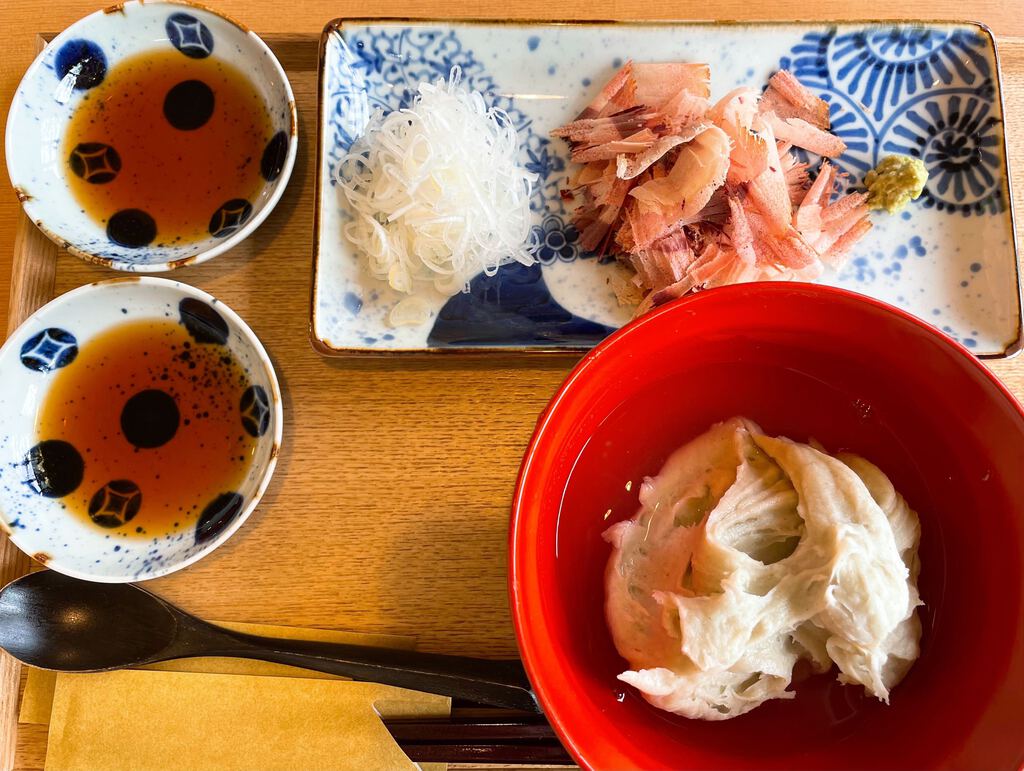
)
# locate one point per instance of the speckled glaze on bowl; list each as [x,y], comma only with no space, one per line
[77,60]
[48,342]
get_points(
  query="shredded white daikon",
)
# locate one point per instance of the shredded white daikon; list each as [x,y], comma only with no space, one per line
[436,192]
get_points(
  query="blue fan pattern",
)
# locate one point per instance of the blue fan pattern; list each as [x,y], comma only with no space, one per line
[919,91]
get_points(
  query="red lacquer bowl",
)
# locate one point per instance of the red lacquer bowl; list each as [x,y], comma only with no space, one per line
[804,361]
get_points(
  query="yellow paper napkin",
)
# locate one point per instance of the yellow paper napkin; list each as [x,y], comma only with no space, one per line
[37,697]
[188,721]
[40,687]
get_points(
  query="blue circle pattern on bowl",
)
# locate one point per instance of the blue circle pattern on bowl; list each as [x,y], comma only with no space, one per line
[83,61]
[50,349]
[220,512]
[95,162]
[923,91]
[79,64]
[189,35]
[37,472]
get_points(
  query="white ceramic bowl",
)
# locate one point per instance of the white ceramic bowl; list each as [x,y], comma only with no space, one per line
[77,60]
[40,524]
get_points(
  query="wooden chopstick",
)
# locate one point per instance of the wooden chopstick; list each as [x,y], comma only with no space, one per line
[429,732]
[499,736]
[503,754]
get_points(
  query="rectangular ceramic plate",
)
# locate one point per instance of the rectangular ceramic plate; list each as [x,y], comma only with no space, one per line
[929,90]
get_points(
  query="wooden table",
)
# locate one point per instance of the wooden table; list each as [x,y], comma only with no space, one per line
[410,479]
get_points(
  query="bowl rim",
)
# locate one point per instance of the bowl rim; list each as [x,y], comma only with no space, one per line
[26,199]
[236,323]
[527,637]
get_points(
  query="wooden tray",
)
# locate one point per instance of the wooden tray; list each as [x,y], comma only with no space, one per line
[389,508]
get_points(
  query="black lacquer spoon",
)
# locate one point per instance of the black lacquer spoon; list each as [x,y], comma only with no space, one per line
[51,621]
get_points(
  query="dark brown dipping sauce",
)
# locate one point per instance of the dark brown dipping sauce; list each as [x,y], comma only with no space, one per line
[168,149]
[155,417]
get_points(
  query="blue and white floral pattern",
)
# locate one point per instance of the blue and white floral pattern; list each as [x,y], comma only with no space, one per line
[959,141]
[919,91]
[399,60]
[555,240]
[381,69]
[930,92]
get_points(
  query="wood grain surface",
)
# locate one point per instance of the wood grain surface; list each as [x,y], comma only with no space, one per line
[389,507]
